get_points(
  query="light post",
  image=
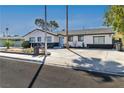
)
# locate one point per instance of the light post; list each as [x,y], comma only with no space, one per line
[45,30]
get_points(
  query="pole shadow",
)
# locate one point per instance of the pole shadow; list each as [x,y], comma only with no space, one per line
[37,73]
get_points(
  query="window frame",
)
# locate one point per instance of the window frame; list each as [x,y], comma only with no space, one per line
[70,40]
[79,38]
[98,39]
[50,38]
[32,40]
[39,39]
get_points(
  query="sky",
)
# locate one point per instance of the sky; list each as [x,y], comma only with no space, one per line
[20,19]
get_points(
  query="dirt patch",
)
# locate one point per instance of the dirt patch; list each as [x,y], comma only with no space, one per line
[29,51]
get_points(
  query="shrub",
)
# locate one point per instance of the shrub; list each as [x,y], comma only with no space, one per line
[8,43]
[28,51]
[26,44]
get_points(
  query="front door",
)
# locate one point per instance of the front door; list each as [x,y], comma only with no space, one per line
[61,41]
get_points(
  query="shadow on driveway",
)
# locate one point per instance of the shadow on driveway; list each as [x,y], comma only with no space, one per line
[102,68]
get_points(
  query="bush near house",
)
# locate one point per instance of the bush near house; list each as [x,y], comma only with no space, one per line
[28,51]
[119,35]
[26,44]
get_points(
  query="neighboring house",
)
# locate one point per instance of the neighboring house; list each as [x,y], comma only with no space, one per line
[37,37]
[16,40]
[97,38]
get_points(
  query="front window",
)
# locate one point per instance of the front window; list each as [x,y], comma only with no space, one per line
[70,38]
[80,38]
[99,40]
[49,39]
[39,39]
[32,39]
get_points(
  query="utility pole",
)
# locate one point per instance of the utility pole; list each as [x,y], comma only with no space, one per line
[45,30]
[67,45]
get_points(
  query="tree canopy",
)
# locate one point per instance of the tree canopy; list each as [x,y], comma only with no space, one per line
[51,25]
[114,18]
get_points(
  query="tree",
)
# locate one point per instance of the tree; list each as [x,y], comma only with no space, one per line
[40,23]
[26,44]
[114,18]
[51,25]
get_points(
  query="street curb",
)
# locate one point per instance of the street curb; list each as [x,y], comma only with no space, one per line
[19,59]
[58,65]
[15,53]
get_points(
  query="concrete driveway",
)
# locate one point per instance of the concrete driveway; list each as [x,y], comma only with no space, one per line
[106,61]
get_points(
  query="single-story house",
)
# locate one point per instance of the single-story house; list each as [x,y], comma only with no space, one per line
[96,38]
[37,37]
[16,41]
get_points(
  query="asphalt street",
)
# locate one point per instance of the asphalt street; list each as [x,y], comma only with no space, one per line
[16,74]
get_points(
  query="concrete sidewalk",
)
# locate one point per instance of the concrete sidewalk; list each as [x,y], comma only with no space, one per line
[22,57]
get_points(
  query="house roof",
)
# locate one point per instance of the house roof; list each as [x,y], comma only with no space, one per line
[42,31]
[88,31]
[95,31]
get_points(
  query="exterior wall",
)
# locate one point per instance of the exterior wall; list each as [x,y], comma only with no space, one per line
[108,39]
[42,35]
[64,40]
[74,43]
[88,39]
[16,43]
[56,39]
